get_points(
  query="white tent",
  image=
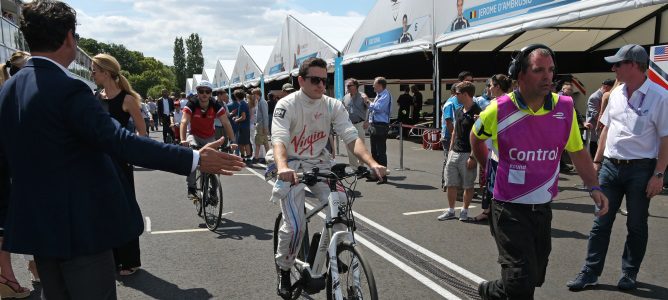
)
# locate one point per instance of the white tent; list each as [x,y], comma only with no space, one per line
[196,80]
[310,36]
[383,32]
[246,69]
[208,74]
[221,77]
[189,86]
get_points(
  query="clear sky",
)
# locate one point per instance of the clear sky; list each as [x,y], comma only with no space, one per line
[150,26]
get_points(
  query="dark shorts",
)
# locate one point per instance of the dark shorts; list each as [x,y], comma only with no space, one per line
[244,136]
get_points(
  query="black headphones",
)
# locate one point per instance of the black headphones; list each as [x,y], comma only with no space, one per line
[516,64]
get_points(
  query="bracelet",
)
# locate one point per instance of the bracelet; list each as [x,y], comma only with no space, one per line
[594,188]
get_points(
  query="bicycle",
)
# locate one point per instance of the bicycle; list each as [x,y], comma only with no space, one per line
[209,198]
[331,260]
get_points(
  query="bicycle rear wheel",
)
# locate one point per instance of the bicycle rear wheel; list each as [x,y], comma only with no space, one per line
[212,201]
[297,292]
[355,275]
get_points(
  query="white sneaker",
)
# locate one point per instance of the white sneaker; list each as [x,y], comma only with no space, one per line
[447,215]
[464,215]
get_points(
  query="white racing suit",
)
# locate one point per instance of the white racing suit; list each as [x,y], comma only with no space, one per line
[302,125]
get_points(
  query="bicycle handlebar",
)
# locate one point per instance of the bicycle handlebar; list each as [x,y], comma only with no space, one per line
[337,172]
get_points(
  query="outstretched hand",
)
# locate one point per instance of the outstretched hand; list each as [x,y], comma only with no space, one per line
[215,162]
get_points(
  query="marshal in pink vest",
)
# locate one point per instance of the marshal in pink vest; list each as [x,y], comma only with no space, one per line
[530,148]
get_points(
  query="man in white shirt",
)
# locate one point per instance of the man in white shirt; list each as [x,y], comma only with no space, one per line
[631,158]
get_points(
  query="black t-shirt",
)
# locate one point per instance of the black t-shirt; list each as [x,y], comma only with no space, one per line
[405,100]
[463,124]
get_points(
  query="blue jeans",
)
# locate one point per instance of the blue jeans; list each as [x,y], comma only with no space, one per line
[617,181]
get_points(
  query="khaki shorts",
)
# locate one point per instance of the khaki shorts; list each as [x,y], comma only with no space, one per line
[456,173]
[260,139]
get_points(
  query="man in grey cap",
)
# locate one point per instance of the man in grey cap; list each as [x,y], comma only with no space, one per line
[593,114]
[288,89]
[631,159]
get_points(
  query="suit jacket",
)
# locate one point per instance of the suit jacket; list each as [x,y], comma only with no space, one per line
[161,111]
[68,198]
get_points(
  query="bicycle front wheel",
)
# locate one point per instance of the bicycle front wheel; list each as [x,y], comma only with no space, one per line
[212,201]
[197,201]
[355,276]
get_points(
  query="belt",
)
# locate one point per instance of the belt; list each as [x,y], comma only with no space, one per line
[380,123]
[629,161]
[533,207]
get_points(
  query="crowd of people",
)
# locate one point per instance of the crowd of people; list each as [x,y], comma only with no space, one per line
[512,139]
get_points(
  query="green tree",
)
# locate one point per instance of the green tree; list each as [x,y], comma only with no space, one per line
[195,59]
[179,62]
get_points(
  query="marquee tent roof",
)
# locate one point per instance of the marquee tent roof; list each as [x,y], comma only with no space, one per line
[246,68]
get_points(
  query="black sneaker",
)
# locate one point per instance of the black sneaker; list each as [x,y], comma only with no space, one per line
[582,280]
[482,290]
[627,282]
[192,192]
[285,286]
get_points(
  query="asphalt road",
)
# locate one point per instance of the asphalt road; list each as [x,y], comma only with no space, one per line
[413,256]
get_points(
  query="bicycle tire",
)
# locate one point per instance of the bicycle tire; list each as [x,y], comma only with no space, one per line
[212,201]
[297,292]
[199,186]
[345,253]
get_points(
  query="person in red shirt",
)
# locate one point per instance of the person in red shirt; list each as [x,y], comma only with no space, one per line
[200,115]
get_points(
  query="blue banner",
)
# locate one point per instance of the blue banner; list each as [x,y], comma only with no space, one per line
[235,80]
[382,39]
[277,68]
[262,86]
[338,78]
[502,9]
[250,76]
[301,59]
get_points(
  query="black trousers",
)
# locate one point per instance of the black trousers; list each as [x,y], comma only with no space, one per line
[378,139]
[128,256]
[82,277]
[166,130]
[522,235]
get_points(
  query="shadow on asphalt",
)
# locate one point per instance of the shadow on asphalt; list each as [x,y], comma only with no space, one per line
[157,288]
[644,290]
[576,207]
[561,234]
[230,229]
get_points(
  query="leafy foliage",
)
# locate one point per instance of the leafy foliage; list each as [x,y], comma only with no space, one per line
[195,59]
[179,62]
[146,74]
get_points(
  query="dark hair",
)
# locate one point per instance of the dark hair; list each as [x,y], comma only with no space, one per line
[183,95]
[353,81]
[239,94]
[608,82]
[46,23]
[405,18]
[415,89]
[222,92]
[466,87]
[381,80]
[311,62]
[504,82]
[463,74]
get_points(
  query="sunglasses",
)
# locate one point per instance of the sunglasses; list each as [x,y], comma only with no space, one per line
[315,80]
[201,92]
[620,63]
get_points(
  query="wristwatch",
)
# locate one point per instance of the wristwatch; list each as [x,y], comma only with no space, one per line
[658,174]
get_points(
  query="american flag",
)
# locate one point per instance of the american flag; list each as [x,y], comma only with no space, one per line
[661,53]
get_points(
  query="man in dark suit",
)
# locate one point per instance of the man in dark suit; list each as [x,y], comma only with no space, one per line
[69,204]
[166,113]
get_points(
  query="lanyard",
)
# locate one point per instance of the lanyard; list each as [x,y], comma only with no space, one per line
[636,109]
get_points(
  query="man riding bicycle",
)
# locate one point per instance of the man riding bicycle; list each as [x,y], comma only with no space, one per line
[300,127]
[200,115]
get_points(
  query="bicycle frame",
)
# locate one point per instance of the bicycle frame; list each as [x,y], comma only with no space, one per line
[328,245]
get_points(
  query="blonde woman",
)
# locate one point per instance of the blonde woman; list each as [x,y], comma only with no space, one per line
[13,65]
[122,102]
[9,286]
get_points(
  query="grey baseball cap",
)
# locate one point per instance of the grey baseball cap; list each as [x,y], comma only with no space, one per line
[288,87]
[631,52]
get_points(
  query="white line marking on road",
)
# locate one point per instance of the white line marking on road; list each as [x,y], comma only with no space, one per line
[227,213]
[407,242]
[244,174]
[416,247]
[432,210]
[147,225]
[180,231]
[410,271]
